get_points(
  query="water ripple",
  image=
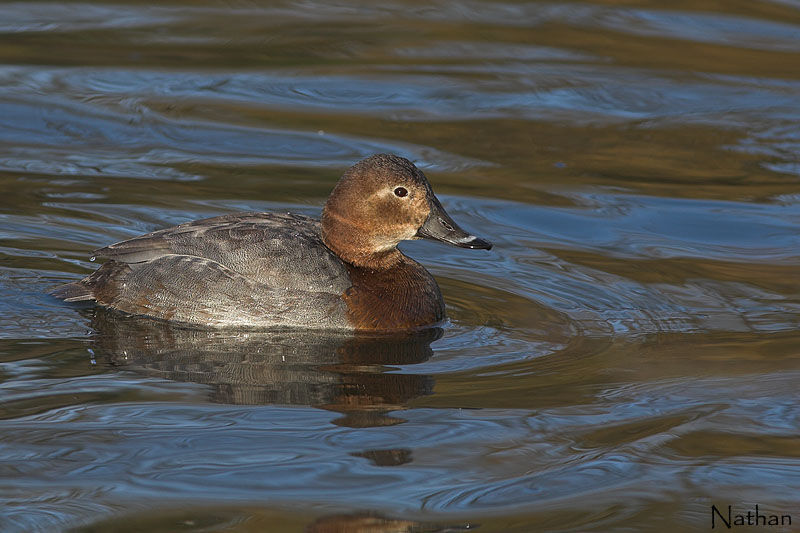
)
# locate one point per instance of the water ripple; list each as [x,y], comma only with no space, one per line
[623,357]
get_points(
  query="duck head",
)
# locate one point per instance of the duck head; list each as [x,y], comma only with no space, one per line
[380,201]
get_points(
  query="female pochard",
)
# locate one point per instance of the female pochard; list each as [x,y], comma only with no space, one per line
[270,269]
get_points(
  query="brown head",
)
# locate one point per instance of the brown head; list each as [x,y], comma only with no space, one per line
[380,201]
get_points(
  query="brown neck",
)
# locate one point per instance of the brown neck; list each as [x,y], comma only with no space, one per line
[353,245]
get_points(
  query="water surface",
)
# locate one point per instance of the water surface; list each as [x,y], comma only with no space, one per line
[626,356]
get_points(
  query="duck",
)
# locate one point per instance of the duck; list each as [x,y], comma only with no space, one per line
[265,269]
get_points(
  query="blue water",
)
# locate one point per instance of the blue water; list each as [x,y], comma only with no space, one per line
[625,357]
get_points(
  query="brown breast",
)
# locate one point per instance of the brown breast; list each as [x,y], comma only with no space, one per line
[402,297]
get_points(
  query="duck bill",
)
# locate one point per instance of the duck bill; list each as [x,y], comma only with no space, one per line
[440,227]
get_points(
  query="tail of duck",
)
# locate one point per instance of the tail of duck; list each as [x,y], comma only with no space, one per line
[98,286]
[77,291]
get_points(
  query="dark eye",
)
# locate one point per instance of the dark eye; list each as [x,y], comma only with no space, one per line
[401,192]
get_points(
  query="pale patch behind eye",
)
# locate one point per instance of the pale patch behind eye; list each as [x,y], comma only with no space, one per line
[382,243]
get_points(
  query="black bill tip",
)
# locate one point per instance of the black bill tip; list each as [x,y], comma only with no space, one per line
[471,241]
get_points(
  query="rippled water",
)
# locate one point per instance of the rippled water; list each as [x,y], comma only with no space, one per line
[626,356]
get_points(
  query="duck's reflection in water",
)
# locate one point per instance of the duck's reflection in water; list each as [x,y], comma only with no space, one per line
[350,375]
[376,523]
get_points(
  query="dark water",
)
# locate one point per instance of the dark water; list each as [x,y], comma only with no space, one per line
[626,356]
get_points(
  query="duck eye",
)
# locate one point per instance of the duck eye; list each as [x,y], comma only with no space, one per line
[401,192]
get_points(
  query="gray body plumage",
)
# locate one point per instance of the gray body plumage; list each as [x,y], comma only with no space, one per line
[244,269]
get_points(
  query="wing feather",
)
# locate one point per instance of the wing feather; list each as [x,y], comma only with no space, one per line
[280,250]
